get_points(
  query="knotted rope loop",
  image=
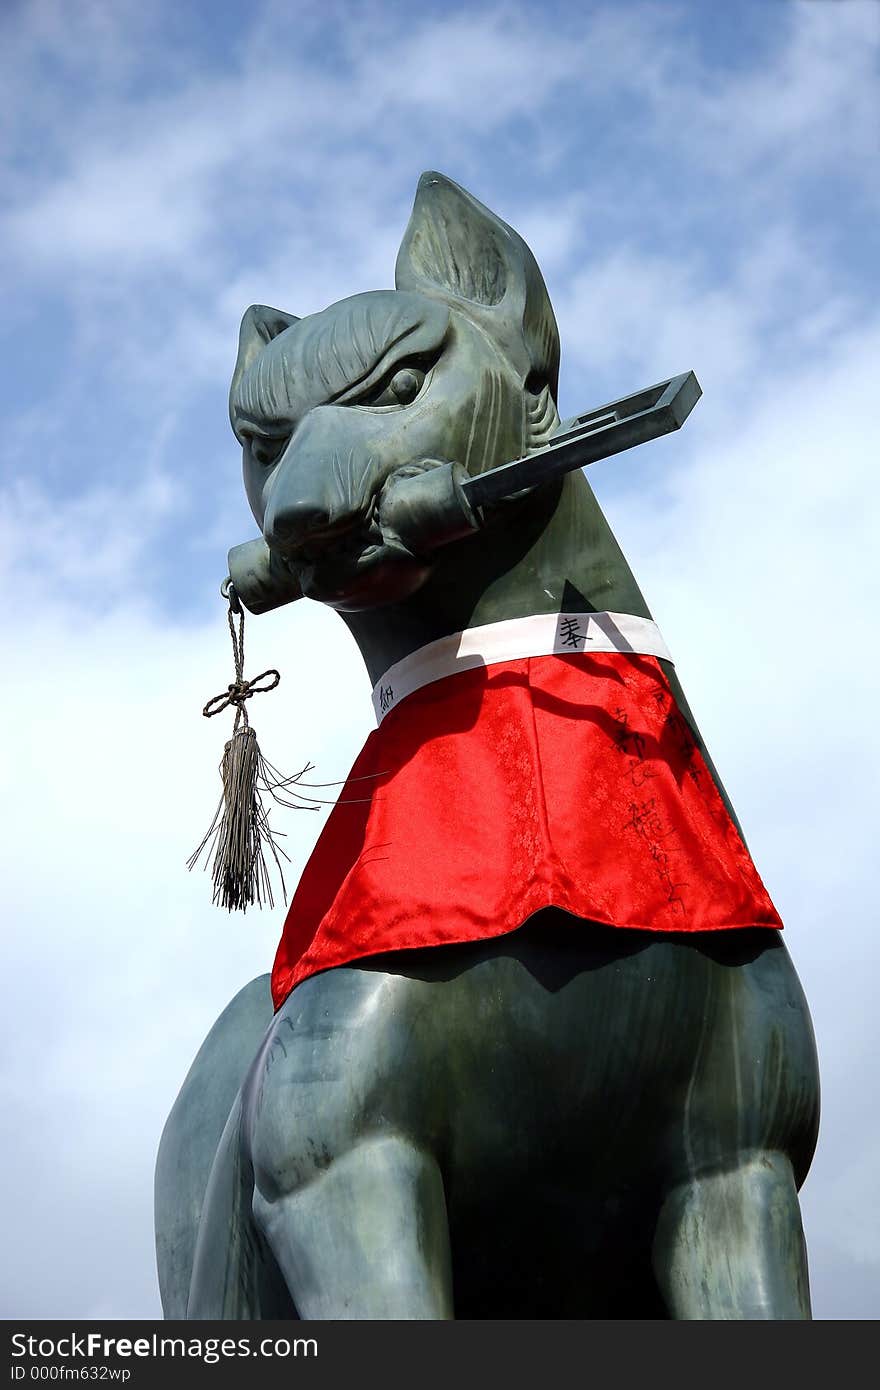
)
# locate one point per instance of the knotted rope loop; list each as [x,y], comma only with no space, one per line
[239,691]
[240,844]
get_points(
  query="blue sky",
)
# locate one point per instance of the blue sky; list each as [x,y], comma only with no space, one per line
[699,185]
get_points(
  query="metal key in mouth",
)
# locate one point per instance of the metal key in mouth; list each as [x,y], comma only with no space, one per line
[584,439]
[445,503]
[442,503]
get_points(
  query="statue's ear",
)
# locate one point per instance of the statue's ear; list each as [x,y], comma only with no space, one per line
[456,250]
[258,327]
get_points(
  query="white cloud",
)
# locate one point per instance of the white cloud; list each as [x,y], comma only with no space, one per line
[144,179]
[637,315]
[465,68]
[650,316]
[807,103]
[818,103]
[85,547]
[148,186]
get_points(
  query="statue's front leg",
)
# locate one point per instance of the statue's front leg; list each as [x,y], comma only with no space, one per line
[730,1245]
[367,1238]
[347,1190]
[729,1242]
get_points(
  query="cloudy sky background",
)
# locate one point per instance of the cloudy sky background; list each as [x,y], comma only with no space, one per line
[700,186]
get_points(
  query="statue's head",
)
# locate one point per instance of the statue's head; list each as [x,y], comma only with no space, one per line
[458,364]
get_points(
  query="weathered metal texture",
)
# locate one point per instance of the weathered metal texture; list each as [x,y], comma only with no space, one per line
[568,1121]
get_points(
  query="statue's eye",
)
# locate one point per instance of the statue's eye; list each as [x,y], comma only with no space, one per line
[406,384]
[266,451]
[401,389]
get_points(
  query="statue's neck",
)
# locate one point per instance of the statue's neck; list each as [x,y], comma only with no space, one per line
[553,552]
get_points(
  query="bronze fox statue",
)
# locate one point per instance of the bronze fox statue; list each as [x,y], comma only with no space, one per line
[537,1048]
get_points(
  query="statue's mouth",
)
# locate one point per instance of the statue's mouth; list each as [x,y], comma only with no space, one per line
[346,544]
[380,572]
[357,540]
[356,565]
[360,557]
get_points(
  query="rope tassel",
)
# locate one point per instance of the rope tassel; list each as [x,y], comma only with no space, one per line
[240,837]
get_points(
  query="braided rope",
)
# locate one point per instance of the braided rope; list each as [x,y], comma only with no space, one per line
[240,689]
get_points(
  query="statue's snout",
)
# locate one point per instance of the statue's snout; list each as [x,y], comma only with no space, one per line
[324,487]
[300,517]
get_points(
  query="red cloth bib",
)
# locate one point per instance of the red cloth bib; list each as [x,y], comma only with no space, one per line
[565,781]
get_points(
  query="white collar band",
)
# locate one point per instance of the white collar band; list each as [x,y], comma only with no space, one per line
[539,634]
